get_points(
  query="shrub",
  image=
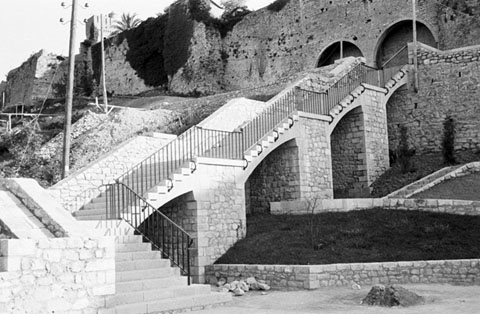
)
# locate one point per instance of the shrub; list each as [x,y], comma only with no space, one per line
[448,141]
[404,153]
[178,34]
[277,5]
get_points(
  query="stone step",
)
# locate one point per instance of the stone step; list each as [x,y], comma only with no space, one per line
[141,264]
[92,217]
[90,212]
[156,294]
[134,275]
[173,304]
[132,247]
[133,256]
[151,283]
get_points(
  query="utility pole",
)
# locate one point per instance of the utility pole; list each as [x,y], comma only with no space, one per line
[105,97]
[69,98]
[415,56]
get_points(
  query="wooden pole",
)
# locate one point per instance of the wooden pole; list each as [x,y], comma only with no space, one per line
[69,99]
[105,97]
[415,56]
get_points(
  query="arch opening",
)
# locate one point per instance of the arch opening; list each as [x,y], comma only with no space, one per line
[391,47]
[338,50]
[275,179]
[349,171]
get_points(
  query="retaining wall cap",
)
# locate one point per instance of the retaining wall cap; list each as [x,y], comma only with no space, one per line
[49,206]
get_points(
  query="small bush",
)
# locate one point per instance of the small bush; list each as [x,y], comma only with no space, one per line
[404,153]
[448,141]
[277,5]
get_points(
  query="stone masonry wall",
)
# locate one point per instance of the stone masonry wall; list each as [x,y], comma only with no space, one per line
[275,179]
[457,207]
[62,275]
[465,272]
[448,87]
[348,155]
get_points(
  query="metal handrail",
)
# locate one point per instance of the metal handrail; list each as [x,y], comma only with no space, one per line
[394,56]
[164,234]
[161,165]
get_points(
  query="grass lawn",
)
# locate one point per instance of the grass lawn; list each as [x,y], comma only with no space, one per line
[422,165]
[374,235]
[461,188]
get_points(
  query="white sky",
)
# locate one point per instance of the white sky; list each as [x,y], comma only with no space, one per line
[26,26]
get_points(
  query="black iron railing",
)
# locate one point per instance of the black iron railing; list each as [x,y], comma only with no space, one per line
[268,120]
[195,142]
[165,235]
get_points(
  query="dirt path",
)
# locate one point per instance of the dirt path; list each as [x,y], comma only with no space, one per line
[440,299]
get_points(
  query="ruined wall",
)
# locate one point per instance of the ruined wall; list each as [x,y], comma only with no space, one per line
[448,86]
[203,71]
[459,23]
[275,179]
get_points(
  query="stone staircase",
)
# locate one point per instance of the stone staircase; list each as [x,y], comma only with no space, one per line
[144,281]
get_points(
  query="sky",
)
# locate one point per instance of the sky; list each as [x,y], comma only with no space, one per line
[27,26]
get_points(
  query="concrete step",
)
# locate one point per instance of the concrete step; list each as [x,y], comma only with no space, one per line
[141,264]
[151,283]
[133,247]
[90,212]
[133,256]
[92,217]
[173,304]
[134,275]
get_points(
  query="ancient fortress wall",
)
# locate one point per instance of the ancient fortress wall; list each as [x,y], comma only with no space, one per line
[266,44]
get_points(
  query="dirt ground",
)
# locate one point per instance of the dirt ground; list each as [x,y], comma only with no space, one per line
[440,299]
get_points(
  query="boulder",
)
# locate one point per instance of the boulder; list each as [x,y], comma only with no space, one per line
[238,292]
[392,295]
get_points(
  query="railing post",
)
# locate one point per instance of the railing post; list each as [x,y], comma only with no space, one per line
[298,99]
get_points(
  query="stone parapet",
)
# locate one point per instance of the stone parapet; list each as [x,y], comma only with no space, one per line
[335,275]
[44,207]
[428,55]
[299,207]
[62,275]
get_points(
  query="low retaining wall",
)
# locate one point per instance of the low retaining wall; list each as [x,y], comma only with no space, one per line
[318,276]
[344,205]
[58,275]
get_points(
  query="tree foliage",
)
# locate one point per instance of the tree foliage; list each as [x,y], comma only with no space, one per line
[127,21]
[448,141]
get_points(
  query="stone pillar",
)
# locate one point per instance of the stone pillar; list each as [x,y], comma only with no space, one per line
[315,162]
[219,214]
[376,135]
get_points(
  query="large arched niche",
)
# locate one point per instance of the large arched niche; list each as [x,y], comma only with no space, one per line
[338,50]
[396,37]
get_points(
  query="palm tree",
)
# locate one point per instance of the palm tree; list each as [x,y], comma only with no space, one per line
[126,22]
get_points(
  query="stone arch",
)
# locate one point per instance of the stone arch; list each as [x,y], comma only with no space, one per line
[337,50]
[396,36]
[275,178]
[347,142]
